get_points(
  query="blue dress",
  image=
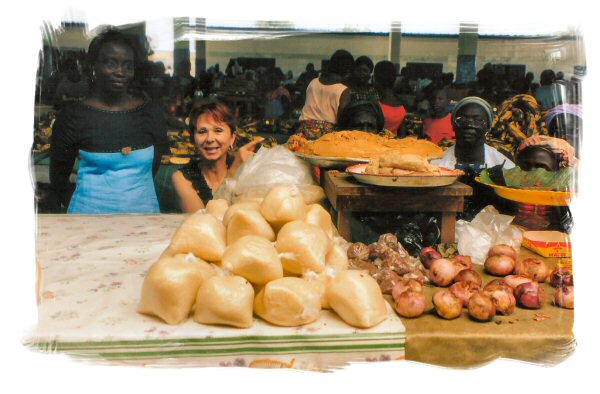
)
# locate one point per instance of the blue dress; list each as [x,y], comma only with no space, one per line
[118,151]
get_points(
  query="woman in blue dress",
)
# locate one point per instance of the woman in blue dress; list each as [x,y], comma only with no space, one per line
[118,135]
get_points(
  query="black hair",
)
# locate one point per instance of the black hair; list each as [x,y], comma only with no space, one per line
[364,60]
[385,74]
[114,35]
[341,62]
[361,106]
[547,77]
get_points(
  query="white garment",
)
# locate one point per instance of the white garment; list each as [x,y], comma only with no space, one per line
[491,158]
[322,101]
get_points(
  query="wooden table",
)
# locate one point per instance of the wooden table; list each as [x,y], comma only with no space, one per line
[347,195]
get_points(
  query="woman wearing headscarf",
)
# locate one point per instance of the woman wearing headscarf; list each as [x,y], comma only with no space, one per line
[326,97]
[363,116]
[518,118]
[472,118]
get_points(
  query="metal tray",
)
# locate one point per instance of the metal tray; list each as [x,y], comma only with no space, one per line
[358,172]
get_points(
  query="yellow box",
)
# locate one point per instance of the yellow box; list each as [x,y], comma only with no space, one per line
[548,243]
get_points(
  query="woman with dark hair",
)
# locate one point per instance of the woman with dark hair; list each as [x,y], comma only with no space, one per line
[437,126]
[360,83]
[326,97]
[392,108]
[118,135]
[213,124]
[546,95]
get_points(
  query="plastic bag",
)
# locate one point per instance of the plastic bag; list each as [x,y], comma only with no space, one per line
[270,167]
[488,228]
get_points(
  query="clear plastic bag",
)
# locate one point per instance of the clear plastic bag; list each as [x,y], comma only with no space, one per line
[488,228]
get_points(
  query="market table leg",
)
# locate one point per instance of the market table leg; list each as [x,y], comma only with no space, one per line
[343,224]
[448,227]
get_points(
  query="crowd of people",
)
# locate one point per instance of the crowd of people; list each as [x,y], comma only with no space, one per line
[115,107]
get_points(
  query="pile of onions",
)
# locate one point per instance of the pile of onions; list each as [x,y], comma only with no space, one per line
[446,304]
[500,265]
[565,297]
[530,295]
[534,269]
[464,290]
[468,275]
[561,277]
[498,284]
[481,307]
[404,285]
[442,272]
[428,255]
[464,261]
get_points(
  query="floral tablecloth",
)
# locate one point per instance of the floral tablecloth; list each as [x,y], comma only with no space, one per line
[92,268]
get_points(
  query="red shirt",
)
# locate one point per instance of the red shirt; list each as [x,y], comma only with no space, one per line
[393,116]
[438,129]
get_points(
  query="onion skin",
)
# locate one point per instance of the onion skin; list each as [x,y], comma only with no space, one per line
[565,297]
[503,250]
[560,277]
[515,280]
[464,261]
[428,255]
[410,304]
[446,304]
[404,285]
[481,307]
[468,275]
[358,251]
[442,272]
[464,291]
[530,295]
[534,269]
[498,284]
[500,265]
[503,300]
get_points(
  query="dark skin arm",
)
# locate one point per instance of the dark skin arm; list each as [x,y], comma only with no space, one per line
[344,101]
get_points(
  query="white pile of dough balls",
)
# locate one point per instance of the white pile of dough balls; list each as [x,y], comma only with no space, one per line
[277,259]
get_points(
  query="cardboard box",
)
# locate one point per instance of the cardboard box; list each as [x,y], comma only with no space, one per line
[548,243]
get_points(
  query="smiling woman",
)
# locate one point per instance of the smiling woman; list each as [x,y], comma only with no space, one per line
[213,124]
[117,134]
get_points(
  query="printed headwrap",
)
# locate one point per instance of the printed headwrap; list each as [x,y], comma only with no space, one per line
[561,148]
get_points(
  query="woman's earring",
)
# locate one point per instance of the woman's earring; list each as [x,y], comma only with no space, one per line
[230,148]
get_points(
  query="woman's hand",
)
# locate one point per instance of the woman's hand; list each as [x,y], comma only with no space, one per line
[244,153]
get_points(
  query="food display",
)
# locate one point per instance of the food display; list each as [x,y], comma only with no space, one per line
[481,307]
[281,261]
[447,305]
[364,145]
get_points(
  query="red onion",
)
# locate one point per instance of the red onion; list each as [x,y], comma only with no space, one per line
[565,297]
[428,255]
[468,275]
[498,284]
[503,250]
[410,304]
[446,304]
[481,307]
[464,291]
[530,295]
[503,300]
[515,280]
[532,268]
[499,265]
[442,272]
[561,277]
[464,261]
[404,285]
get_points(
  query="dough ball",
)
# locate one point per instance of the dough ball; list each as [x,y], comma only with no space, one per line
[337,258]
[170,287]
[355,296]
[253,258]
[247,205]
[317,215]
[226,300]
[288,302]
[245,222]
[283,204]
[302,247]
[201,234]
[217,208]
